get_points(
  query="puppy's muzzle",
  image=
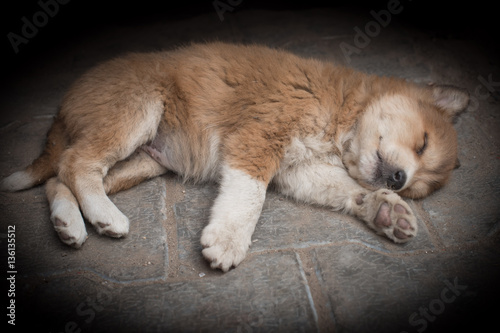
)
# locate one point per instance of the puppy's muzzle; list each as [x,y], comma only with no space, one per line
[396,180]
[389,175]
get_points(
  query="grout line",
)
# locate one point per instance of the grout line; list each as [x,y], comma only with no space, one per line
[10,126]
[308,291]
[324,316]
[330,321]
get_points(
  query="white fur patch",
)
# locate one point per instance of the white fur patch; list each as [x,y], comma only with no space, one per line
[312,172]
[146,128]
[212,164]
[368,164]
[234,215]
[19,180]
[306,149]
[319,183]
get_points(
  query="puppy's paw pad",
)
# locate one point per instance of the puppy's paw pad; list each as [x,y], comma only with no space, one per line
[66,238]
[403,224]
[60,223]
[383,218]
[400,209]
[360,198]
[399,234]
[394,218]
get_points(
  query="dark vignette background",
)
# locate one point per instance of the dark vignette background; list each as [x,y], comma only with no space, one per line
[472,20]
[475,20]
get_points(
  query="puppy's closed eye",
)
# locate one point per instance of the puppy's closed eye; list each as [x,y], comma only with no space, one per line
[422,148]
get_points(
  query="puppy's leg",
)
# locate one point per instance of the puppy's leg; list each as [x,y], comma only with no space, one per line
[82,169]
[84,165]
[104,132]
[65,214]
[329,185]
[235,212]
[132,171]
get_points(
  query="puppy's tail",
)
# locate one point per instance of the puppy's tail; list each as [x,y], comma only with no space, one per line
[44,167]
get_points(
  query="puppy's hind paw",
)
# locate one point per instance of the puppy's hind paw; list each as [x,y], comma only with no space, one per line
[106,217]
[68,223]
[115,227]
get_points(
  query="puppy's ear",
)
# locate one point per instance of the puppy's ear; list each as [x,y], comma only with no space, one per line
[452,100]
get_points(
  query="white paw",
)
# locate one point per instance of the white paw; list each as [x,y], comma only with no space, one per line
[68,223]
[105,217]
[389,215]
[224,248]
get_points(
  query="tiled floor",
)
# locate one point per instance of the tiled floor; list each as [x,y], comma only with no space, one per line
[309,269]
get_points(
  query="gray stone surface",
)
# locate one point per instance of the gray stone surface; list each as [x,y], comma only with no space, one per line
[141,255]
[309,269]
[269,293]
[393,293]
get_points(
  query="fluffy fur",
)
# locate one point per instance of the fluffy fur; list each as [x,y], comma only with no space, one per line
[245,116]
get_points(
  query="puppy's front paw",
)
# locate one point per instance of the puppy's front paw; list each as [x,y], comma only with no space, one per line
[388,214]
[222,248]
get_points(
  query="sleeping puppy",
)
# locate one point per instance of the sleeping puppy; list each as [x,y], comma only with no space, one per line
[246,117]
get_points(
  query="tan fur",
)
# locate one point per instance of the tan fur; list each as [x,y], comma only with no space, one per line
[207,110]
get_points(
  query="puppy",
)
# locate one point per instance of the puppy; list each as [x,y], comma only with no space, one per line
[246,117]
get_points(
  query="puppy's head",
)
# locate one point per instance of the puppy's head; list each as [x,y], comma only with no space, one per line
[405,140]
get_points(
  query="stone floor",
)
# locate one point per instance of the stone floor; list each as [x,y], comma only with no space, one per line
[309,269]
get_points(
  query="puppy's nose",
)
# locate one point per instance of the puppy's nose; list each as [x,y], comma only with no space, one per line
[396,180]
